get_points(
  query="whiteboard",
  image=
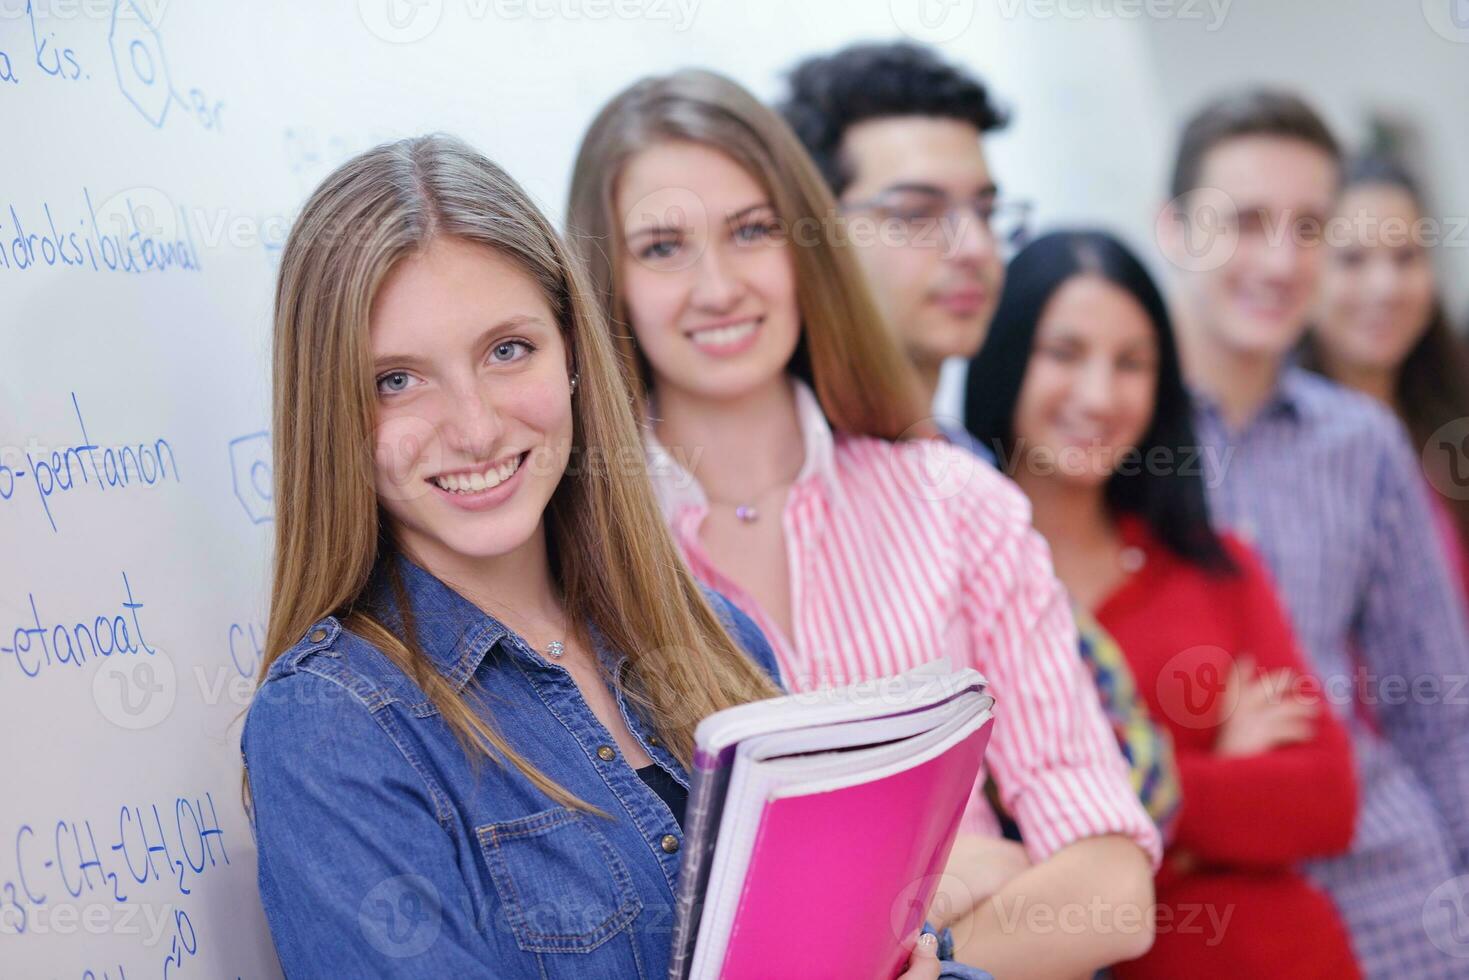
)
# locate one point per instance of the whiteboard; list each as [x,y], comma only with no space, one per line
[151,157]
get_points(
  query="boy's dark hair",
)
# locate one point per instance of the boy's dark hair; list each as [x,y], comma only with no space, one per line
[831,93]
[1247,112]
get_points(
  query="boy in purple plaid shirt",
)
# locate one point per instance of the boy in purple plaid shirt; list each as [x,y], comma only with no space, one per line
[1323,483]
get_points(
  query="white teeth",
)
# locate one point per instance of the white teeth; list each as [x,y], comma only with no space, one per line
[474,482]
[723,336]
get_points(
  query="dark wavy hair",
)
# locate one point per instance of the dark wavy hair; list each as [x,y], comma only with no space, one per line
[1171,503]
[1433,380]
[831,93]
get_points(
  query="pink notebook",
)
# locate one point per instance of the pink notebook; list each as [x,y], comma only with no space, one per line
[835,816]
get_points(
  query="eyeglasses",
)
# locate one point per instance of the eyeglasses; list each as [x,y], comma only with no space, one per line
[918,216]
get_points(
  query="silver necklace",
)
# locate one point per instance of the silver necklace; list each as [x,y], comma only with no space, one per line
[555,649]
[748,513]
[744,513]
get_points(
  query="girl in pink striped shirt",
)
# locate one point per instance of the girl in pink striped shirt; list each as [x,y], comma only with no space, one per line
[785,443]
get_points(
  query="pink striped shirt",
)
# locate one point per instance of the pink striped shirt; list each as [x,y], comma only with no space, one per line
[903,552]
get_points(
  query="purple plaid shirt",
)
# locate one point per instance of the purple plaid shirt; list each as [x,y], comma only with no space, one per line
[1324,484]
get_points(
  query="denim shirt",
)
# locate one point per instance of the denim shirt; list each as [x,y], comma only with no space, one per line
[382,854]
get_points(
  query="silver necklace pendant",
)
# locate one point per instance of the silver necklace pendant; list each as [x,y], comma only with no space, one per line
[746,514]
[555,649]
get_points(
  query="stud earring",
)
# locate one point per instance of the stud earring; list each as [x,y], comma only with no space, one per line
[574,379]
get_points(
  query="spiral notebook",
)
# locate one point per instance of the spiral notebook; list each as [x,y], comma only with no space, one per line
[818,825]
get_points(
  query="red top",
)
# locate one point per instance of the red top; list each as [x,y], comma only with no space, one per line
[1246,822]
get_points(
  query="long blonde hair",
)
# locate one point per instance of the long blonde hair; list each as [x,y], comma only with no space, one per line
[851,359]
[614,561]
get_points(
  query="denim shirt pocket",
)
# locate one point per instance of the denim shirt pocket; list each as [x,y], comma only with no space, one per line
[562,886]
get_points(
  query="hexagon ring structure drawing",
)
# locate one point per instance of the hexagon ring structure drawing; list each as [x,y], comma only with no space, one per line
[253,475]
[137,56]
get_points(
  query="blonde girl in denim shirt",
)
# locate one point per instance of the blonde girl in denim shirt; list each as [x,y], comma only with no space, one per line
[469,750]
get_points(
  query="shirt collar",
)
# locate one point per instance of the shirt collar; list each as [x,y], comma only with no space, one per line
[677,489]
[1293,392]
[453,632]
[1287,398]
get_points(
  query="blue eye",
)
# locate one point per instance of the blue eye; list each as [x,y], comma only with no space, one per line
[755,231]
[508,351]
[659,250]
[393,382]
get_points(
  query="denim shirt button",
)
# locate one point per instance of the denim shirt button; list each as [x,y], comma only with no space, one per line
[653,740]
[317,635]
[606,753]
[670,843]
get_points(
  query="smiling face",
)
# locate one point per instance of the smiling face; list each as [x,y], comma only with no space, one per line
[1255,302]
[938,289]
[474,420]
[1378,289]
[1090,385]
[709,283]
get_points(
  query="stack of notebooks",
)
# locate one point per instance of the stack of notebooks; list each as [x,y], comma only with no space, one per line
[818,826]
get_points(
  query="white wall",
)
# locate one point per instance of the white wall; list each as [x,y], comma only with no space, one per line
[1352,58]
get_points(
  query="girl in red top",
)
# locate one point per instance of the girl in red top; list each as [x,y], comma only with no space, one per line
[1079,382]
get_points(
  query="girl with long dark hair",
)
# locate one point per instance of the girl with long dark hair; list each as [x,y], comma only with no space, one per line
[1078,389]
